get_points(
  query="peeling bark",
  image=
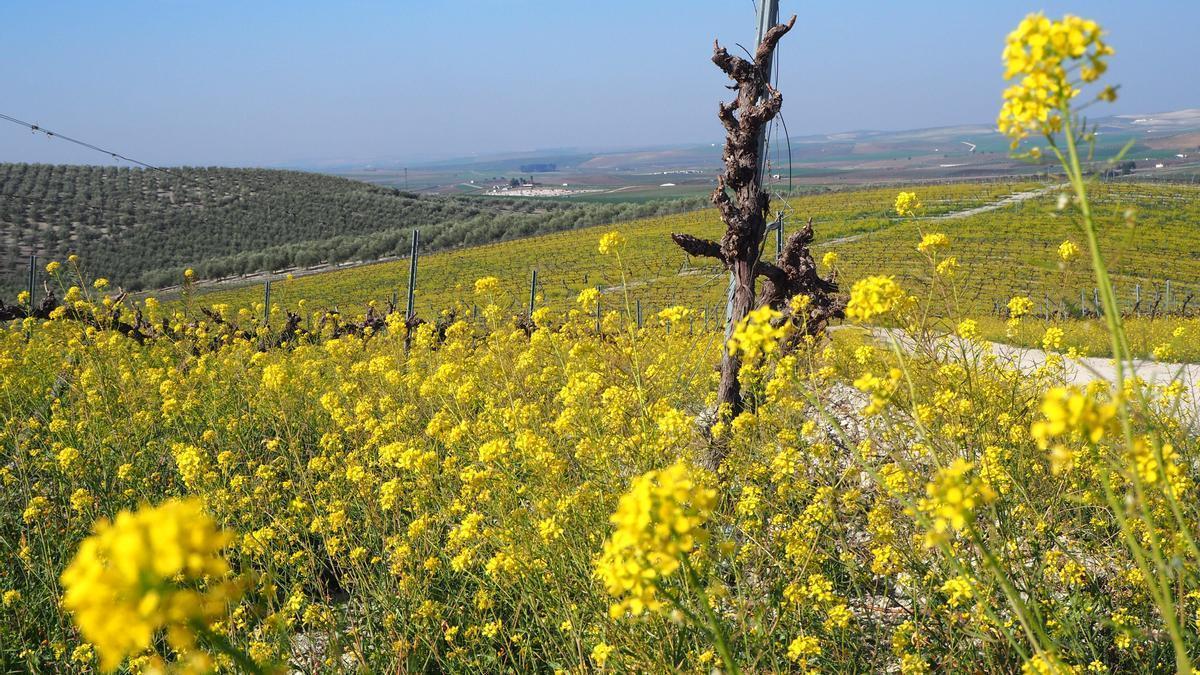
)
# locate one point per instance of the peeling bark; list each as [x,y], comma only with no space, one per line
[745,210]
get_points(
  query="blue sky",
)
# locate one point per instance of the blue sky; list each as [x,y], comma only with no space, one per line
[259,83]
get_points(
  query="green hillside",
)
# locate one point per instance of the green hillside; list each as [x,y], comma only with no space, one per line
[141,228]
[1008,250]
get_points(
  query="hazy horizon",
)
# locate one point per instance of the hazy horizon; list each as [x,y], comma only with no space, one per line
[287,84]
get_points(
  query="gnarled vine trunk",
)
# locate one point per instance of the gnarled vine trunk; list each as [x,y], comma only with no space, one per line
[745,208]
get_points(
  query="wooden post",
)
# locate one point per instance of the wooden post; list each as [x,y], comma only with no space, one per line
[639,312]
[599,297]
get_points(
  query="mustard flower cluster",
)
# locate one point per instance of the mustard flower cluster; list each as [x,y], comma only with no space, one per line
[1043,54]
[658,522]
[907,204]
[933,240]
[873,297]
[611,242]
[1019,306]
[1068,251]
[1070,417]
[158,568]
[952,498]
[759,333]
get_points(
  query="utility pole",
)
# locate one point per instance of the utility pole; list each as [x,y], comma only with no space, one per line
[768,15]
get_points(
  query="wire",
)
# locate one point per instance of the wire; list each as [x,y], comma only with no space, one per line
[787,137]
[115,155]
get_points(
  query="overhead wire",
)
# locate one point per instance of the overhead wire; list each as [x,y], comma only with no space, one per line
[37,128]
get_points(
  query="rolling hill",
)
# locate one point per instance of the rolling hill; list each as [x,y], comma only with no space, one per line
[142,228]
[1007,248]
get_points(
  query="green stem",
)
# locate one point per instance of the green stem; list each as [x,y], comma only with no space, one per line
[714,624]
[1121,358]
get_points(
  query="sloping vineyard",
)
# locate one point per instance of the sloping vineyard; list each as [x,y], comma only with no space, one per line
[1150,233]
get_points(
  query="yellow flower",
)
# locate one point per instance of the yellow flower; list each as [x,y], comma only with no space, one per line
[948,267]
[1052,338]
[100,284]
[588,299]
[35,508]
[951,499]
[959,590]
[1045,663]
[600,654]
[81,500]
[67,458]
[53,266]
[803,648]
[1153,466]
[830,259]
[675,314]
[907,204]
[11,598]
[487,286]
[874,296]
[611,242]
[756,336]
[932,241]
[1044,54]
[1070,411]
[157,568]
[274,376]
[1019,306]
[1068,251]
[658,521]
[968,329]
[190,461]
[838,617]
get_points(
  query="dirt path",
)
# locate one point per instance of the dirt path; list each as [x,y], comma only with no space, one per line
[1010,200]
[1083,370]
